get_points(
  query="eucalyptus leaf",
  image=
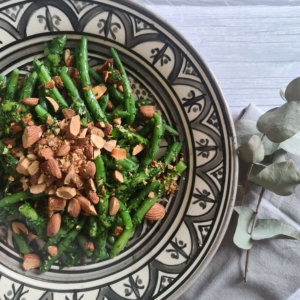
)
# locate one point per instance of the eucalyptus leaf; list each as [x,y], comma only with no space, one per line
[282,93]
[242,238]
[280,178]
[280,124]
[272,228]
[245,129]
[256,169]
[278,156]
[252,151]
[292,145]
[292,92]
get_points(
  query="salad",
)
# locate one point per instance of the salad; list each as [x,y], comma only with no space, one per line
[78,159]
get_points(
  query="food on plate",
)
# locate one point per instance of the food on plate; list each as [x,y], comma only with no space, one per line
[78,158]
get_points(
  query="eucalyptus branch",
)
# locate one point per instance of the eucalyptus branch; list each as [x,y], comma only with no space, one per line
[245,186]
[251,232]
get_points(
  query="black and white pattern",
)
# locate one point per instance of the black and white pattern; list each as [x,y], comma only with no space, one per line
[161,257]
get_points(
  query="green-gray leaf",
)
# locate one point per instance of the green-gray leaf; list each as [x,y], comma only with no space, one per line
[280,124]
[242,238]
[272,228]
[292,145]
[292,92]
[282,93]
[245,129]
[280,178]
[252,151]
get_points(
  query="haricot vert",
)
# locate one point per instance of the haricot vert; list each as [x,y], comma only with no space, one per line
[78,158]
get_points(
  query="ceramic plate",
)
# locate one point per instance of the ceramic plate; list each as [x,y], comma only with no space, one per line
[162,257]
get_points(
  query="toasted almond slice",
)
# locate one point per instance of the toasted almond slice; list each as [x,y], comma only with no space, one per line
[93,197]
[17,227]
[31,261]
[151,195]
[53,225]
[97,141]
[108,129]
[97,152]
[71,175]
[51,168]
[46,153]
[53,103]
[156,212]
[89,151]
[96,131]
[137,149]
[89,246]
[147,111]
[49,180]
[56,131]
[118,230]
[68,113]
[83,133]
[88,171]
[51,190]
[42,178]
[118,153]
[66,192]
[30,101]
[114,206]
[38,188]
[109,106]
[22,166]
[91,185]
[110,145]
[86,205]
[74,208]
[100,125]
[56,203]
[52,250]
[73,127]
[34,167]
[118,176]
[99,90]
[117,121]
[63,150]
[31,135]
[31,237]
[32,157]
[49,84]
[79,182]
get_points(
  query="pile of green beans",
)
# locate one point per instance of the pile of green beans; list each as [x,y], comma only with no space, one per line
[145,178]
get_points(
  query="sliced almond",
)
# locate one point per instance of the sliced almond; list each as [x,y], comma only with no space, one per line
[15,127]
[34,179]
[100,125]
[32,157]
[31,237]
[89,246]
[73,72]
[17,227]
[71,175]
[34,167]
[10,143]
[110,145]
[68,113]
[53,225]
[93,197]
[118,176]
[86,205]
[56,203]
[27,119]
[88,171]
[68,58]
[53,103]
[156,212]
[97,141]
[99,90]
[30,101]
[63,150]
[38,188]
[31,135]
[89,151]
[109,106]
[151,195]
[58,82]
[73,127]
[147,111]
[51,168]
[52,250]
[83,133]
[97,131]
[118,230]
[114,206]
[137,149]
[51,190]
[46,153]
[74,208]
[66,192]
[22,166]
[56,131]
[91,185]
[117,121]
[78,182]
[108,129]
[31,261]
[49,180]
[49,85]
[97,152]
[118,153]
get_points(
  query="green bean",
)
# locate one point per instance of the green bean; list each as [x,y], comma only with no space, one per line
[143,102]
[76,58]
[104,101]
[128,94]
[172,152]
[82,241]
[11,87]
[52,53]
[124,213]
[3,82]
[121,242]
[71,236]
[155,142]
[117,113]
[28,86]
[132,137]
[103,211]
[22,243]
[100,243]
[115,94]
[100,176]
[124,164]
[168,130]
[43,114]
[44,77]
[93,226]
[19,197]
[91,101]
[97,78]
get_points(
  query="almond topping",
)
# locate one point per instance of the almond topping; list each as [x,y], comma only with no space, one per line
[109,106]
[56,131]
[42,179]
[73,127]
[91,184]
[99,90]
[38,188]
[53,225]
[155,213]
[63,150]
[117,121]
[53,103]
[52,250]
[68,113]
[34,167]
[97,131]
[68,58]
[49,85]
[97,152]
[74,208]
[71,175]
[118,230]
[118,176]
[151,195]
[31,237]
[89,151]
[86,205]
[147,111]
[137,149]
[97,141]
[66,192]
[83,133]
[32,156]
[93,197]
[118,153]
[51,168]
[108,129]
[46,153]
[89,246]
[10,143]
[88,171]
[17,227]
[30,101]
[58,82]
[56,203]
[22,166]
[31,261]
[110,145]
[114,206]
[31,135]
